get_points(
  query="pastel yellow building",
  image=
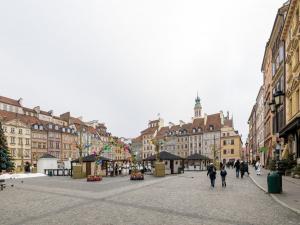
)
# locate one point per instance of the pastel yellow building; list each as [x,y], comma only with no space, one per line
[291,37]
[231,145]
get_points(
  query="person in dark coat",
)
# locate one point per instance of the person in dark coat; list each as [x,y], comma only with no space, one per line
[211,171]
[247,168]
[223,174]
[242,169]
[237,166]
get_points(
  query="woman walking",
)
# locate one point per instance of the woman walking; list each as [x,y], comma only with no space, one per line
[258,168]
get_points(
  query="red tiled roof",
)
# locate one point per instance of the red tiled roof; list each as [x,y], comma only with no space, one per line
[137,139]
[8,116]
[149,130]
[76,121]
[10,101]
[213,120]
[162,132]
[228,123]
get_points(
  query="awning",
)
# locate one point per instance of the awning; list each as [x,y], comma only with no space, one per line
[290,128]
[91,158]
[164,156]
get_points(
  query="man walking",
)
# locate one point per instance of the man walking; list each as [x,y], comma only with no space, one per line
[223,174]
[237,167]
[211,171]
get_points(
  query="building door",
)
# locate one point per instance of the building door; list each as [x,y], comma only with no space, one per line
[172,166]
[88,168]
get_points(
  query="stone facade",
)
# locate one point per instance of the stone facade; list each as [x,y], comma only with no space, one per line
[291,37]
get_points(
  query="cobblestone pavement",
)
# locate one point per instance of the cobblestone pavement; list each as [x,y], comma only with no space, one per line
[291,188]
[180,199]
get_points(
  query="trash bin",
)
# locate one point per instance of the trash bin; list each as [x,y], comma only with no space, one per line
[50,174]
[274,183]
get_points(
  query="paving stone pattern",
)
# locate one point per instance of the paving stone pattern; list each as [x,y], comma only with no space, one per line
[183,199]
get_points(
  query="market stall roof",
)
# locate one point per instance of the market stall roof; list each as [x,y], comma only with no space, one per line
[164,156]
[91,158]
[47,156]
[197,156]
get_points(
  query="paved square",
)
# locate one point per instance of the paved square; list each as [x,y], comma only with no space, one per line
[179,199]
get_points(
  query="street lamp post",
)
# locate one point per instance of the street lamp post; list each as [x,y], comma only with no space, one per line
[274,105]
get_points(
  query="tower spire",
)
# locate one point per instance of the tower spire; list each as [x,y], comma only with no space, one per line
[198,107]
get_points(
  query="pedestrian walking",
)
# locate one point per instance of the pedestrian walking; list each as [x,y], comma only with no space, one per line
[242,169]
[237,166]
[211,171]
[247,168]
[258,168]
[223,174]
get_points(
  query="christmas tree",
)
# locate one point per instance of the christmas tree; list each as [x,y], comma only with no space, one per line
[5,158]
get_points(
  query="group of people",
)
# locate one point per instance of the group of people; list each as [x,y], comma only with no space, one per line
[241,168]
[212,173]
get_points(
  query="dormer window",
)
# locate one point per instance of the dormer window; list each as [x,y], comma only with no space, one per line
[211,127]
[199,129]
[36,126]
[50,126]
[41,127]
[194,130]
[64,130]
[56,127]
[68,130]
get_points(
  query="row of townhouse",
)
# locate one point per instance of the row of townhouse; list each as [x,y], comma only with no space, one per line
[274,122]
[212,136]
[31,133]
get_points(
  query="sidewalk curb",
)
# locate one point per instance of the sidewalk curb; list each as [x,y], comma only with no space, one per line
[275,197]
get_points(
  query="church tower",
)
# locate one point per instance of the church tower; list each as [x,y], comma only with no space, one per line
[197,108]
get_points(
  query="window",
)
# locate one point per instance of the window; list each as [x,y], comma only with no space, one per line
[39,145]
[12,140]
[4,129]
[51,144]
[12,130]
[41,127]
[224,142]
[20,141]
[297,100]
[224,152]
[290,107]
[232,142]
[20,131]
[232,151]
[211,127]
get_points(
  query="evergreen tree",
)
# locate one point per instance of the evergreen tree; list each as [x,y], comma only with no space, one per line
[5,157]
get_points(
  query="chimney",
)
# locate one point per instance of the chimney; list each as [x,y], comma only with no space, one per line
[205,119]
[20,101]
[171,125]
[228,115]
[222,117]
[50,112]
[181,123]
[37,109]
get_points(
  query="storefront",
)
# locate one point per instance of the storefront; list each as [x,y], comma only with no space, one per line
[291,135]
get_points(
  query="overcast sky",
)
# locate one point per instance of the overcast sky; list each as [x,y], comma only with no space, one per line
[123,62]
